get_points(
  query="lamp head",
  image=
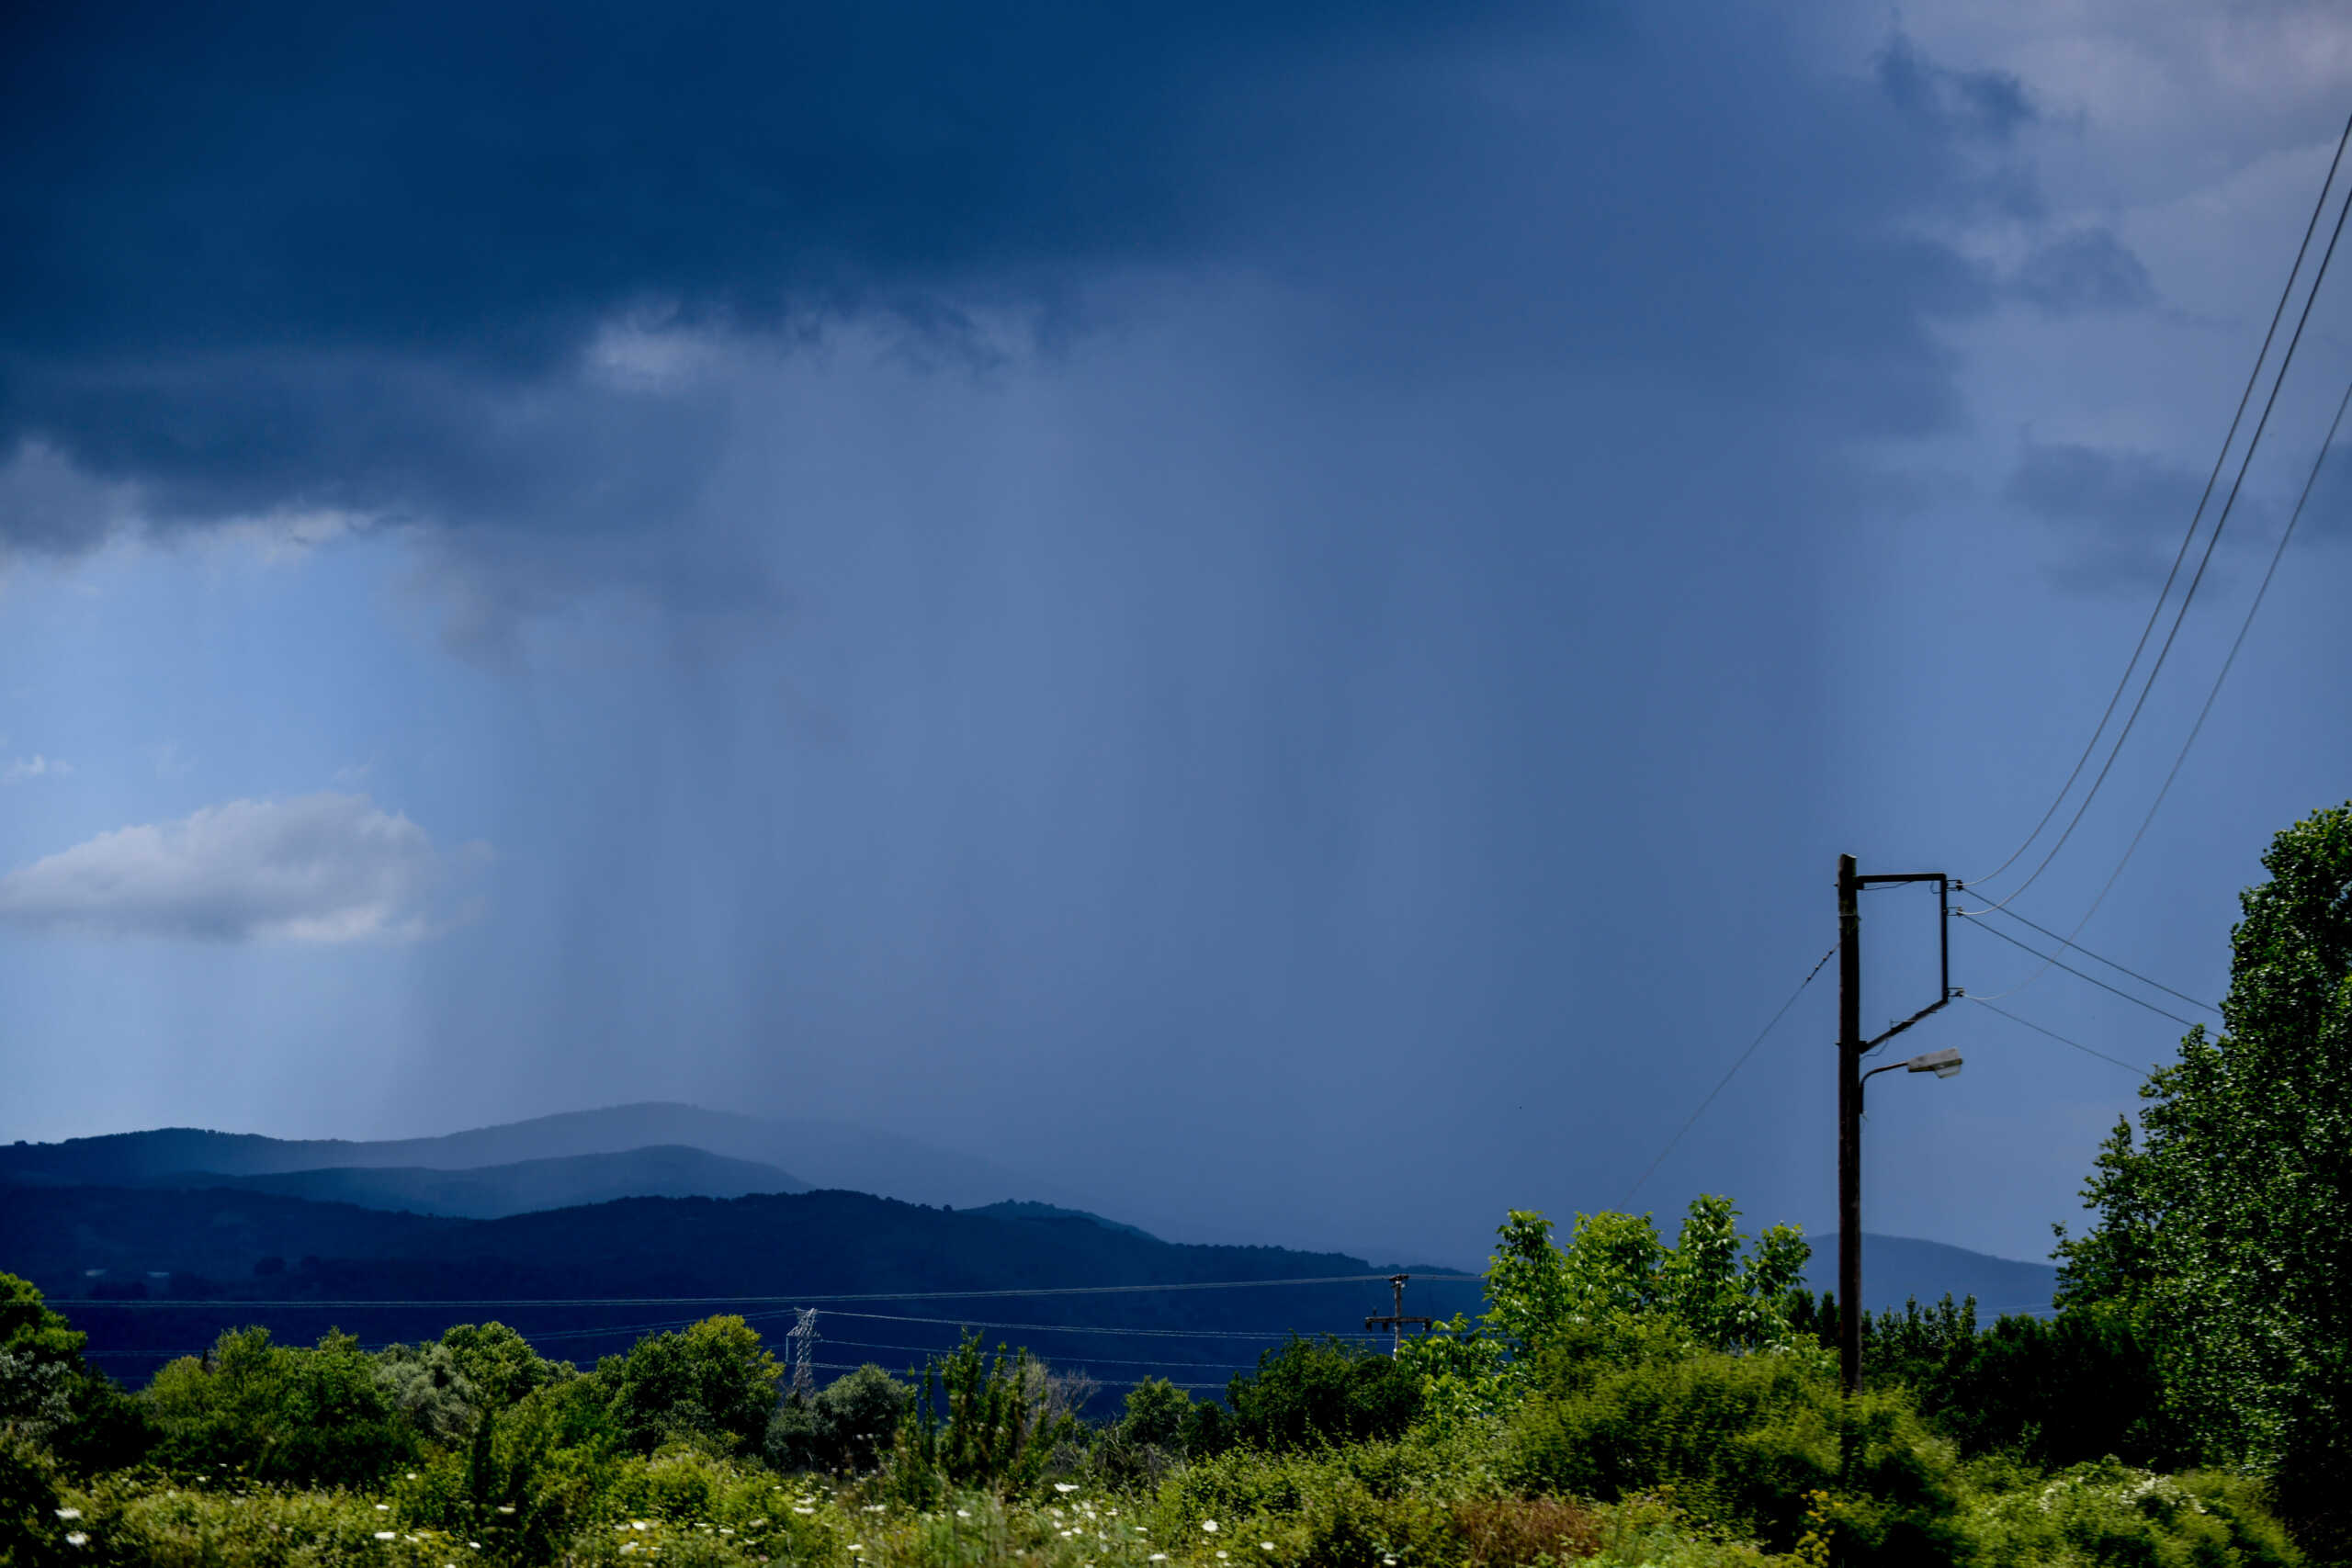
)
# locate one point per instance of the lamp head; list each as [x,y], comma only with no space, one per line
[1943,1064]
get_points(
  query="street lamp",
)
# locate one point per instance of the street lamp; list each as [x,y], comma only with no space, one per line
[1944,1063]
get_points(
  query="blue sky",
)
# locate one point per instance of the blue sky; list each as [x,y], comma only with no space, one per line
[1274,614]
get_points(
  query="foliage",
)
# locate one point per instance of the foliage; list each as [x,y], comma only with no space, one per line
[1618,1294]
[1754,1444]
[1322,1391]
[2108,1512]
[2221,1232]
[851,1423]
[712,1383]
[279,1414]
[1005,1416]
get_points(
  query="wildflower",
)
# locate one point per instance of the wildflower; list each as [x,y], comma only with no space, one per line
[1210,1526]
[1265,1546]
[68,1513]
[1064,1487]
[1224,1554]
[77,1538]
[857,1546]
[1159,1557]
[876,1508]
[628,1547]
[963,1513]
[797,1509]
[506,1507]
[412,1475]
[383,1535]
[383,1507]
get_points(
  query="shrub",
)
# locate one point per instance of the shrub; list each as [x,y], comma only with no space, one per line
[712,1383]
[1506,1532]
[2108,1512]
[1749,1444]
[1322,1391]
[309,1417]
[848,1426]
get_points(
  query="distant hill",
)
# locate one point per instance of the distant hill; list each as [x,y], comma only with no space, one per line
[493,1191]
[1897,1267]
[1010,1209]
[194,1261]
[820,1153]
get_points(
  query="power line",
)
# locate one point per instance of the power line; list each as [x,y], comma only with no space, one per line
[2181,617]
[2049,961]
[2237,643]
[2155,611]
[2078,947]
[2058,1037]
[1626,1200]
[232,1305]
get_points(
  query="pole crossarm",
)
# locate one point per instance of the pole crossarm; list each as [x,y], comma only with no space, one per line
[1872,1044]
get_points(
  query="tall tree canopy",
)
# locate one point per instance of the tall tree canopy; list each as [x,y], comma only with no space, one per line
[2226,1227]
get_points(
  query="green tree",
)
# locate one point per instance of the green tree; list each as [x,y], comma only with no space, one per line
[2223,1228]
[713,1383]
[848,1426]
[1322,1391]
[311,1417]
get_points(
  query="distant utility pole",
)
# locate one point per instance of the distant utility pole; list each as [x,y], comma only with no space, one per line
[804,1344]
[1396,1321]
[1851,1049]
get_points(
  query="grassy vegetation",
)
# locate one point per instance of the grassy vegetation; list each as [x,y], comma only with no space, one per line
[1622,1401]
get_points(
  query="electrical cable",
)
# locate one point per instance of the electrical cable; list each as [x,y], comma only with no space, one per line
[2155,611]
[2058,1037]
[2205,711]
[226,1305]
[2087,952]
[2049,962]
[2246,462]
[1625,1202]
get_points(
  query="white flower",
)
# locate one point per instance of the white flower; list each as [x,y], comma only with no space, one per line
[876,1508]
[963,1513]
[628,1547]
[799,1509]
[638,1525]
[1159,1557]
[1225,1554]
[1064,1486]
[506,1507]
[1265,1546]
[383,1535]
[383,1507]
[1209,1525]
[68,1513]
[77,1538]
[857,1546]
[412,1475]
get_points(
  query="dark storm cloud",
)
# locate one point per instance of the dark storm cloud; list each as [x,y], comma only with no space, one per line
[2123,511]
[282,257]
[2091,270]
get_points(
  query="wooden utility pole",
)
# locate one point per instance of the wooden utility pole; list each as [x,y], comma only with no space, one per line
[1850,1125]
[1851,1049]
[1396,1321]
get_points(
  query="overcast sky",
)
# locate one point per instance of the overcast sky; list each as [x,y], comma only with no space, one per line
[1275,614]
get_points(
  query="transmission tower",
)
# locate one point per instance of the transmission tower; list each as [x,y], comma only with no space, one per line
[804,1348]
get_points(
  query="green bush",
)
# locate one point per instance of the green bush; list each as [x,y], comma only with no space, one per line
[2109,1513]
[851,1423]
[1755,1444]
[278,1414]
[712,1383]
[1322,1391]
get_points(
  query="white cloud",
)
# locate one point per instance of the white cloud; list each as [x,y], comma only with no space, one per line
[320,868]
[35,767]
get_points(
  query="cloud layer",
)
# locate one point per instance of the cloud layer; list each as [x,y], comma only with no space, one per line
[320,868]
